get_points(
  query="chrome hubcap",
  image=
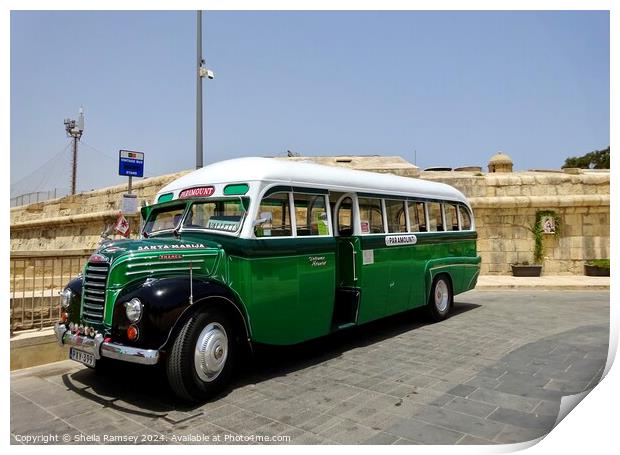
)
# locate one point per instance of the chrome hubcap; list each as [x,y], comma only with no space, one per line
[441,296]
[211,352]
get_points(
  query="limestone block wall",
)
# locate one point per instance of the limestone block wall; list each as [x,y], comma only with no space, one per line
[76,222]
[504,205]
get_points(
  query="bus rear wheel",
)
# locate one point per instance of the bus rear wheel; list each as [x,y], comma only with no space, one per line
[201,360]
[440,299]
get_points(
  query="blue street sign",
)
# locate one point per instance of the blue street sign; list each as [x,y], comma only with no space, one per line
[130,163]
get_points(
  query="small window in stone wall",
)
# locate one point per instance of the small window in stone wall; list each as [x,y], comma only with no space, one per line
[547,224]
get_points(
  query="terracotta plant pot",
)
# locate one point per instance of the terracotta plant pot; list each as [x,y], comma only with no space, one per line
[526,270]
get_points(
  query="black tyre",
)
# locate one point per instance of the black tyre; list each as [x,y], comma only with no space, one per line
[201,360]
[440,299]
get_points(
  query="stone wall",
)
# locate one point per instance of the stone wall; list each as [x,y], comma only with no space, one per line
[504,206]
[76,222]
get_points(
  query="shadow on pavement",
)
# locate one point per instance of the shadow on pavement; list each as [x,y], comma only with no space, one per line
[144,391]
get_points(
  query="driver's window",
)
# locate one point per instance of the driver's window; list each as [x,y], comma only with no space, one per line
[344,217]
[274,216]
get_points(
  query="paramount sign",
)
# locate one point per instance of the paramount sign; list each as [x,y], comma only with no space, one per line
[201,191]
[391,240]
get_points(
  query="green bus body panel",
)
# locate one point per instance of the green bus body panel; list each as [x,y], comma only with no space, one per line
[144,264]
[287,286]
[288,300]
[401,276]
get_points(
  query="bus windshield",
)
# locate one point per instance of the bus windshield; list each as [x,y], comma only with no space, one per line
[164,219]
[223,215]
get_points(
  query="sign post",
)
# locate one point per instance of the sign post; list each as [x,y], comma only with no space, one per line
[131,164]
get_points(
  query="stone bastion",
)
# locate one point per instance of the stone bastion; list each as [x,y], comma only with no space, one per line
[504,204]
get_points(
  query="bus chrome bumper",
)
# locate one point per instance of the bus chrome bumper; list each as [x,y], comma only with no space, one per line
[100,348]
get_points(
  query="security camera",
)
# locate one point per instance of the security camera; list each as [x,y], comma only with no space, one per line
[206,72]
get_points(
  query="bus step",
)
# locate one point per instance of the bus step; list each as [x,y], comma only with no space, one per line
[346,325]
[346,305]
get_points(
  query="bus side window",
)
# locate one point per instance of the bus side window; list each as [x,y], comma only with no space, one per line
[396,216]
[417,218]
[435,219]
[274,216]
[371,216]
[310,214]
[465,218]
[452,217]
[344,217]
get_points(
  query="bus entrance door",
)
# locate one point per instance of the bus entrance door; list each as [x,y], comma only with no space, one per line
[347,298]
[347,292]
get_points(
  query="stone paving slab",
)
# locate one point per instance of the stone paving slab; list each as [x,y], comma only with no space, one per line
[492,373]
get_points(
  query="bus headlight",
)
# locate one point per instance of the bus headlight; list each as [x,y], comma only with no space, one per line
[133,310]
[65,298]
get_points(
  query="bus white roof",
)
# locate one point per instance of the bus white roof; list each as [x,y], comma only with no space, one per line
[307,174]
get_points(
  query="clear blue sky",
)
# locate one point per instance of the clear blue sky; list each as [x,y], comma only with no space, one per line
[455,86]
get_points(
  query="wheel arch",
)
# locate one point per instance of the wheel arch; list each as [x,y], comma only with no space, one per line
[227,302]
[432,272]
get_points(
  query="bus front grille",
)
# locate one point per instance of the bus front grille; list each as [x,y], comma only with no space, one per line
[93,300]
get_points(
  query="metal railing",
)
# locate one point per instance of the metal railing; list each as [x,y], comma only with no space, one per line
[36,196]
[36,279]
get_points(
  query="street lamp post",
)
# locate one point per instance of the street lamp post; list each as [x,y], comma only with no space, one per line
[201,71]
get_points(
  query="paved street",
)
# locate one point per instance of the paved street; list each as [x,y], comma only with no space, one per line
[493,373]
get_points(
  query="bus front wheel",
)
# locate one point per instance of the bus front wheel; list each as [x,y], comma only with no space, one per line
[440,299]
[201,359]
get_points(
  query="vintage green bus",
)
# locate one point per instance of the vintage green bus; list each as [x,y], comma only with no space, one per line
[261,250]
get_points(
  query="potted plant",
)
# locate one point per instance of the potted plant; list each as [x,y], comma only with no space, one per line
[547,222]
[526,269]
[597,267]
